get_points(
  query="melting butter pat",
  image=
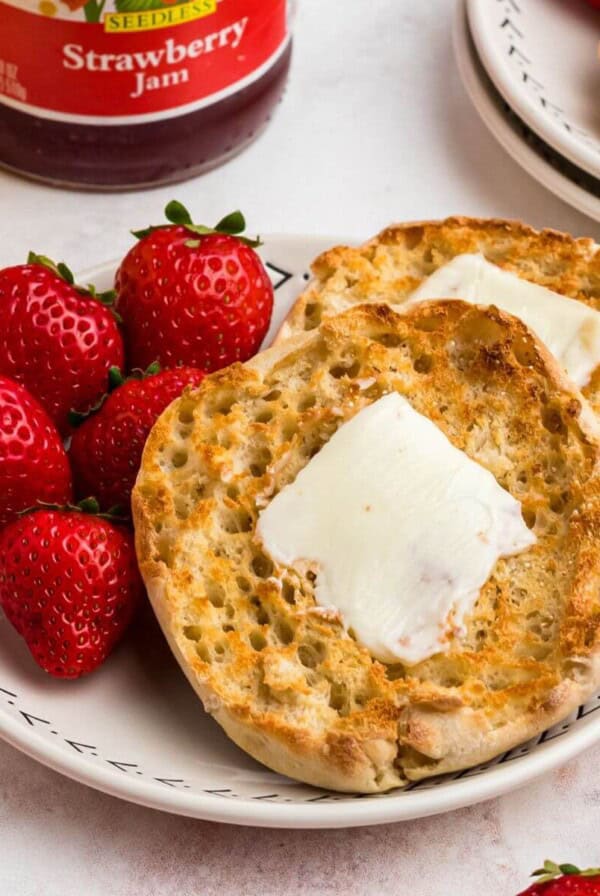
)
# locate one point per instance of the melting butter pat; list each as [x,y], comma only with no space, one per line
[568,328]
[401,528]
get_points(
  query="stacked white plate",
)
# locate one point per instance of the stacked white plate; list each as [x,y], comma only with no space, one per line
[532,71]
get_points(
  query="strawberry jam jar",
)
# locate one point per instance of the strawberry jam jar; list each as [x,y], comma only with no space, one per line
[117,94]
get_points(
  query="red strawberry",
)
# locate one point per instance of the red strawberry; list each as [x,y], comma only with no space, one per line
[33,463]
[106,449]
[564,880]
[69,583]
[56,339]
[193,295]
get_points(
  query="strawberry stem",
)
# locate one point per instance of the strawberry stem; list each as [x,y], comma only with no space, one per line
[106,298]
[551,870]
[89,505]
[115,379]
[60,269]
[232,224]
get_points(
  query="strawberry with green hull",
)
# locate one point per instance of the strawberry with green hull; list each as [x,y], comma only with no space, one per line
[33,463]
[564,880]
[193,295]
[106,448]
[57,339]
[70,585]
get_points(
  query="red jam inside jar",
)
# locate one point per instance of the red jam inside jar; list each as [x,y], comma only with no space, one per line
[105,95]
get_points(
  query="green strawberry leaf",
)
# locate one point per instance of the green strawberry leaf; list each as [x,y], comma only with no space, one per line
[115,511]
[140,234]
[177,213]
[115,514]
[89,505]
[548,871]
[65,273]
[76,418]
[106,298]
[61,270]
[115,378]
[569,869]
[254,244]
[233,223]
[551,870]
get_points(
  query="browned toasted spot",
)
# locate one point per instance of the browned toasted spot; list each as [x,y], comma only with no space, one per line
[391,265]
[285,680]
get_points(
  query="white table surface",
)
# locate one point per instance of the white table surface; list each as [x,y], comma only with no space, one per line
[375,127]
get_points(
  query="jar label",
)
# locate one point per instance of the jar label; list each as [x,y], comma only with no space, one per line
[127,61]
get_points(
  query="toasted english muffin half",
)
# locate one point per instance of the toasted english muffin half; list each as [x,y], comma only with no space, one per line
[284,679]
[389,267]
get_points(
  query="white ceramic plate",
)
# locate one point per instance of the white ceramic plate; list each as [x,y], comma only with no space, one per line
[557,174]
[542,55]
[135,729]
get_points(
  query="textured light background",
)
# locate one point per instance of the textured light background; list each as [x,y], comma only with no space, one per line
[60,839]
[375,126]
